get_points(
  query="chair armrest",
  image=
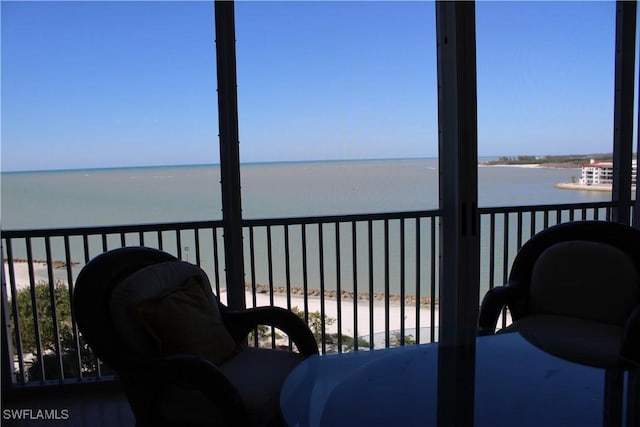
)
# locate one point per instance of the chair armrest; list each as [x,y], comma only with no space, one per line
[492,304]
[192,373]
[631,338]
[241,322]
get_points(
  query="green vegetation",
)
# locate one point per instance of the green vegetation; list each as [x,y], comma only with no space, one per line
[396,339]
[49,346]
[332,341]
[45,316]
[568,161]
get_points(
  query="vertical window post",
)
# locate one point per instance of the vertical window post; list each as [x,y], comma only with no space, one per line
[623,109]
[229,152]
[459,226]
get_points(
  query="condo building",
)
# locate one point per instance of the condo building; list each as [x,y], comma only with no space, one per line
[601,173]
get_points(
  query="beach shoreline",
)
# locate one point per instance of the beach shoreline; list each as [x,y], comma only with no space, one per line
[355,319]
[530,166]
[583,187]
[361,317]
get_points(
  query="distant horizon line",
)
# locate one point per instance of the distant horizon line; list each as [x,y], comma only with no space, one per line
[264,162]
[186,165]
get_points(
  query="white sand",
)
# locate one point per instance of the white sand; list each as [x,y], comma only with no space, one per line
[583,187]
[21,273]
[347,314]
[347,310]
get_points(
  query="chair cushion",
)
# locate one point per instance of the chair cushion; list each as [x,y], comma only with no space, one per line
[258,375]
[579,340]
[181,321]
[586,280]
[139,302]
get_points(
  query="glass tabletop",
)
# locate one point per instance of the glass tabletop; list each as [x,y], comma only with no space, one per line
[515,384]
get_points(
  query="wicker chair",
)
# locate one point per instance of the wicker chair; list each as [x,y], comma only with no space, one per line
[574,292]
[180,353]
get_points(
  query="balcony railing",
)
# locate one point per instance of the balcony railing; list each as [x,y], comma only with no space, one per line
[360,281]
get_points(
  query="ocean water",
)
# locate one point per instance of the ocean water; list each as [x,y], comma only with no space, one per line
[186,193]
[33,200]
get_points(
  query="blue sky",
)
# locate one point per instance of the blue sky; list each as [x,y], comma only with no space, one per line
[103,84]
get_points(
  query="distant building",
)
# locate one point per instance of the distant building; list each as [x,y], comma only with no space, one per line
[601,173]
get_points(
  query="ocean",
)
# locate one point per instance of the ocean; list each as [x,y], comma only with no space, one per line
[46,199]
[123,196]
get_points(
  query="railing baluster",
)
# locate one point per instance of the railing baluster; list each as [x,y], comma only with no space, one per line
[196,242]
[532,229]
[270,279]
[178,244]
[252,270]
[354,262]
[371,290]
[338,288]
[216,261]
[34,307]
[492,249]
[505,261]
[402,279]
[70,289]
[323,323]
[519,237]
[14,312]
[252,267]
[434,283]
[270,275]
[386,284]
[505,248]
[287,266]
[270,264]
[418,265]
[305,274]
[85,247]
[53,305]
[546,219]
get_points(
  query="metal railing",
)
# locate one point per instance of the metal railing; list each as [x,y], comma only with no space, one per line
[360,281]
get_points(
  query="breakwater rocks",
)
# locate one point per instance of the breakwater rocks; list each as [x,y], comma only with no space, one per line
[344,295]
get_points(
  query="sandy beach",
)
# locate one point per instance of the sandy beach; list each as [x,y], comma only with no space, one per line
[347,312]
[576,186]
[21,273]
[347,309]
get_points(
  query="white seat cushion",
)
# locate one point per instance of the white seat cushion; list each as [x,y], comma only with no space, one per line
[154,308]
[586,280]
